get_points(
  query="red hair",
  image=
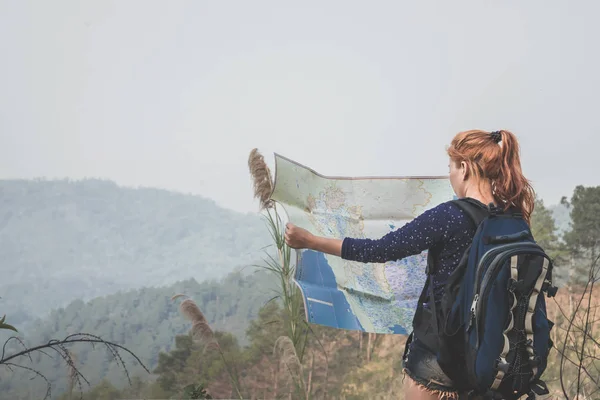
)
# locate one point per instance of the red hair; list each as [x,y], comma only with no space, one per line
[497,162]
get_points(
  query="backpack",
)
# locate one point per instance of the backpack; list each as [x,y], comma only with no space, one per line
[491,334]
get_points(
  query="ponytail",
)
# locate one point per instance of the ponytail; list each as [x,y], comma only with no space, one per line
[510,186]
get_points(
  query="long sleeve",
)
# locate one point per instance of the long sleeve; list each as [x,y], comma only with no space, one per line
[431,227]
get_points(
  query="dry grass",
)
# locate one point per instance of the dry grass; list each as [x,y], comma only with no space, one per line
[261,178]
[202,332]
[286,352]
[574,364]
[280,265]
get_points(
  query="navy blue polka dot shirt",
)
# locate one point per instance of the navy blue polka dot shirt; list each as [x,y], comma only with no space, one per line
[445,226]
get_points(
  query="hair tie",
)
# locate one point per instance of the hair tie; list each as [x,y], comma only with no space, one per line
[496,136]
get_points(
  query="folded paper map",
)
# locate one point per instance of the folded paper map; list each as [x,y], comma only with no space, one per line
[370,297]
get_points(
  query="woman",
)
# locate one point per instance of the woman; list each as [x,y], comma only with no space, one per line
[483,166]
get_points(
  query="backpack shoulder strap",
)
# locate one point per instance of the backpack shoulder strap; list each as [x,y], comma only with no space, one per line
[474,209]
[477,212]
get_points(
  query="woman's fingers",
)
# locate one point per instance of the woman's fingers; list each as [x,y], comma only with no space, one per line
[295,237]
[290,235]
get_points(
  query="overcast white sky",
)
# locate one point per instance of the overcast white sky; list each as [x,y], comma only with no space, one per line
[175,94]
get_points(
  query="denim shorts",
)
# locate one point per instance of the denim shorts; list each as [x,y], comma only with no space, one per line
[421,365]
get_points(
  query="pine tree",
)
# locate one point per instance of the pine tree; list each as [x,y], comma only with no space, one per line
[583,240]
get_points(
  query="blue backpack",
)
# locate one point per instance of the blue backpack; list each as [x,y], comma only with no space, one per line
[491,333]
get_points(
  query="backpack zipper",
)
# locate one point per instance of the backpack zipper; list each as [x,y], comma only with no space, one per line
[490,275]
[492,252]
[481,268]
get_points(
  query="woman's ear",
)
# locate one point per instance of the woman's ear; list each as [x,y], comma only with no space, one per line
[464,170]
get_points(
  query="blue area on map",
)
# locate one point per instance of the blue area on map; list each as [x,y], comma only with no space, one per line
[325,303]
[398,330]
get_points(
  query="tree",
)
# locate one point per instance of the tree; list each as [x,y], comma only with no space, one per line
[583,240]
[543,228]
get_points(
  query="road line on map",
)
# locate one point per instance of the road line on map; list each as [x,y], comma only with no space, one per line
[319,301]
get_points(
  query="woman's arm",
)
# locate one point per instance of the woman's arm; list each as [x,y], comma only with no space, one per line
[326,245]
[431,227]
[416,236]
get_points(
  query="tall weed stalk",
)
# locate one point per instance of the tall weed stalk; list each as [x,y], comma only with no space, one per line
[288,292]
[203,333]
[279,264]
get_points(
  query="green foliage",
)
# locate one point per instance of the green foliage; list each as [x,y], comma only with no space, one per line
[62,240]
[296,327]
[583,239]
[543,226]
[193,391]
[103,391]
[264,330]
[560,213]
[544,231]
[4,325]
[585,213]
[262,374]
[145,321]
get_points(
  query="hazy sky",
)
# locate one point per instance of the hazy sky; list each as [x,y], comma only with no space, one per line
[175,94]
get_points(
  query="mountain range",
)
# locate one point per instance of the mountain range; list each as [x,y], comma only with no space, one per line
[63,240]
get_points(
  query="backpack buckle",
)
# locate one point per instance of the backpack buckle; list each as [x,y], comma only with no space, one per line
[493,209]
[538,388]
[503,366]
[549,289]
[534,362]
[514,285]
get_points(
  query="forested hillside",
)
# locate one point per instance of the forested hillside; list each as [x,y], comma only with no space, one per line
[338,364]
[146,321]
[63,240]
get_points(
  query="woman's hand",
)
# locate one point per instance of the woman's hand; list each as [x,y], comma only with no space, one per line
[297,238]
